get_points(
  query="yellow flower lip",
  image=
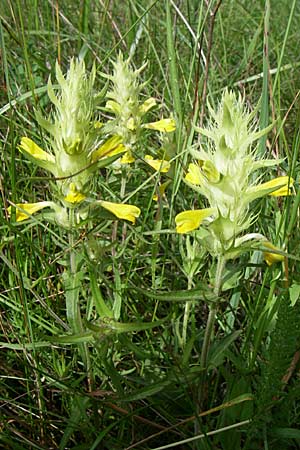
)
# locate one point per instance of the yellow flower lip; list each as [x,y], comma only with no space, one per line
[148,104]
[73,195]
[30,147]
[193,175]
[25,210]
[127,158]
[113,146]
[272,257]
[158,164]
[282,186]
[122,210]
[191,220]
[164,125]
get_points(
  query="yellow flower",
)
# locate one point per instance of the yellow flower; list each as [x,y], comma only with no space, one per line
[191,220]
[164,125]
[271,257]
[158,164]
[73,195]
[113,146]
[282,186]
[30,147]
[25,210]
[194,174]
[122,211]
[113,106]
[148,104]
[127,158]
[131,124]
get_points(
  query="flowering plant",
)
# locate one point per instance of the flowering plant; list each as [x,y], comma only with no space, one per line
[225,174]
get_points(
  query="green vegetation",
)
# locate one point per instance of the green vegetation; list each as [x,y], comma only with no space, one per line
[140,308]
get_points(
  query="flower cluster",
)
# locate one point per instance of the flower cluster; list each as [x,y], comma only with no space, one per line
[224,173]
[75,149]
[128,110]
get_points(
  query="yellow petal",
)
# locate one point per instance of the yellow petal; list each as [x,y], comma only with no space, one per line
[148,104]
[122,211]
[284,185]
[30,147]
[191,220]
[211,172]
[131,125]
[270,257]
[194,175]
[73,195]
[113,146]
[25,210]
[164,125]
[158,164]
[127,158]
[113,106]
[98,124]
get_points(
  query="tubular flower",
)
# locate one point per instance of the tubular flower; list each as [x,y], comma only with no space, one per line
[122,211]
[164,125]
[223,174]
[273,256]
[25,210]
[190,220]
[124,103]
[158,164]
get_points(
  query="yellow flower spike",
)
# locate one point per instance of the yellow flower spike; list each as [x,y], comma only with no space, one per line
[158,164]
[113,146]
[25,210]
[270,257]
[148,104]
[191,220]
[30,147]
[194,175]
[122,211]
[164,125]
[73,195]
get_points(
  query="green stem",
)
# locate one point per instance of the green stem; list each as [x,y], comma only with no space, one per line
[72,288]
[187,310]
[210,323]
[212,311]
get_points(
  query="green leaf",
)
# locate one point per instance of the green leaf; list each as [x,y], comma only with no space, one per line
[218,351]
[111,326]
[287,433]
[79,338]
[101,307]
[204,294]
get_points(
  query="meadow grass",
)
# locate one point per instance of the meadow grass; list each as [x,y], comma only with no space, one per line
[139,381]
